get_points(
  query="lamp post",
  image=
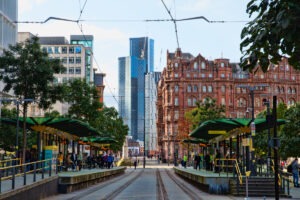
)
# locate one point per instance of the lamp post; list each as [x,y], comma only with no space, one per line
[251,89]
[267,103]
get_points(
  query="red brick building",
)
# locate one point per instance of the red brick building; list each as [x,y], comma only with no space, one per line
[187,79]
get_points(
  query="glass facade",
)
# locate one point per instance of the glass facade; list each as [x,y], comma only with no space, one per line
[86,41]
[8,27]
[132,70]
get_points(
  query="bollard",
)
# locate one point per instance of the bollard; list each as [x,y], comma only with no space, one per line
[34,172]
[13,178]
[24,170]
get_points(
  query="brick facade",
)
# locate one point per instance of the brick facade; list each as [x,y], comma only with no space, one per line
[187,79]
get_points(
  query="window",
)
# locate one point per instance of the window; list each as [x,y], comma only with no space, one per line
[188,75]
[64,60]
[50,50]
[195,88]
[293,78]
[176,101]
[78,49]
[189,102]
[210,88]
[71,49]
[262,76]
[203,75]
[71,60]
[64,50]
[44,49]
[77,70]
[176,88]
[57,50]
[194,101]
[176,65]
[282,90]
[195,65]
[275,76]
[176,75]
[222,65]
[176,114]
[222,75]
[223,88]
[223,101]
[195,75]
[78,60]
[241,102]
[71,70]
[289,90]
[189,88]
[203,88]
[291,102]
[294,90]
[210,75]
[203,65]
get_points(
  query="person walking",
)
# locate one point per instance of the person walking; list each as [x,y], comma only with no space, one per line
[184,160]
[207,161]
[295,172]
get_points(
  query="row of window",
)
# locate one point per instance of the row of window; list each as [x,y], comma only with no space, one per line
[73,70]
[62,50]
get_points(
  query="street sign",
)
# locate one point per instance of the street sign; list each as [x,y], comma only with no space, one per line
[217,132]
[252,126]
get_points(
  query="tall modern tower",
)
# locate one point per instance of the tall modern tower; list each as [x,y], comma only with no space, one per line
[132,70]
[8,27]
[151,81]
[87,42]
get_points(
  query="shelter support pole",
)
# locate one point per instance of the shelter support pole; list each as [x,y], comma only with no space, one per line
[276,145]
[237,147]
[230,147]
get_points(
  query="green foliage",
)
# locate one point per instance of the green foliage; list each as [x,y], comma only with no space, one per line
[290,133]
[7,132]
[53,113]
[84,100]
[29,73]
[85,106]
[111,125]
[206,110]
[273,33]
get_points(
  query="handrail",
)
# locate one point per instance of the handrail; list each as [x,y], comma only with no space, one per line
[273,169]
[23,166]
[2,162]
[235,165]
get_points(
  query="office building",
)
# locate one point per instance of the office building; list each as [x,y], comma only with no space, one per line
[132,70]
[187,79]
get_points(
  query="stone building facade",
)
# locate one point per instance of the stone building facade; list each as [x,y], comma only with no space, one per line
[187,79]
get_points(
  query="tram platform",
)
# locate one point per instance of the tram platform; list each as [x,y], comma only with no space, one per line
[63,182]
[218,183]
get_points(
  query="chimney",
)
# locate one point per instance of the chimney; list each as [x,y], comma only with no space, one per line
[178,53]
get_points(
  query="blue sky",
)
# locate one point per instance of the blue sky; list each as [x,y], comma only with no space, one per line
[113,22]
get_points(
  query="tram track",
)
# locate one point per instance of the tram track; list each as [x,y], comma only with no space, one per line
[100,186]
[189,192]
[160,187]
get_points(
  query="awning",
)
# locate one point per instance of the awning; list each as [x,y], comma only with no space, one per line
[61,126]
[214,128]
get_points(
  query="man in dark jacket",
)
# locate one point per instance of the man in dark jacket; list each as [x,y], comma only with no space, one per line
[295,172]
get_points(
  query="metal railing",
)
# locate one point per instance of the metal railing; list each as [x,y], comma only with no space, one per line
[13,171]
[10,162]
[229,164]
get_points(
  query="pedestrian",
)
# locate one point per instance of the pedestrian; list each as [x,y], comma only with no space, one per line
[218,161]
[135,163]
[74,161]
[207,161]
[198,161]
[60,160]
[184,161]
[295,172]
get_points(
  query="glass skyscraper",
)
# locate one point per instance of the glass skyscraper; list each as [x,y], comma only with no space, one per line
[8,27]
[132,70]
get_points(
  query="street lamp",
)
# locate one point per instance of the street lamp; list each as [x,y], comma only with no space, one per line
[251,89]
[267,103]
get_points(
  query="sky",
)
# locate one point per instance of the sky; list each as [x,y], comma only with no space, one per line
[113,22]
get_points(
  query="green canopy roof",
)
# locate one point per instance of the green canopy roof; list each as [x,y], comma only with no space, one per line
[99,140]
[71,126]
[213,128]
[194,141]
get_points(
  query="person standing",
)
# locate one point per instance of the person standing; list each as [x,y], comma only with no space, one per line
[207,161]
[60,160]
[295,172]
[184,160]
[74,161]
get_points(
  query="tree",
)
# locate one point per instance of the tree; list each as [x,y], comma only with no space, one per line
[84,100]
[111,125]
[272,34]
[206,110]
[29,73]
[290,133]
[7,132]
